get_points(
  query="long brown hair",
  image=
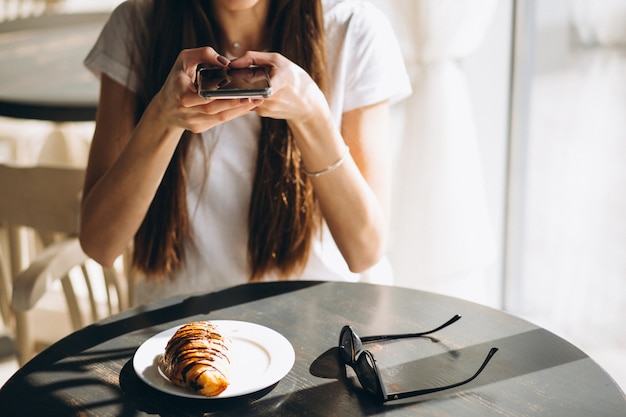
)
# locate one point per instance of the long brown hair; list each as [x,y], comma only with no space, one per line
[283,214]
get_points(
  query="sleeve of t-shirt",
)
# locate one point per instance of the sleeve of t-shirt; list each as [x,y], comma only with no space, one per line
[114,51]
[376,71]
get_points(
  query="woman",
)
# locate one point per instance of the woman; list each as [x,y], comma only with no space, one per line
[218,192]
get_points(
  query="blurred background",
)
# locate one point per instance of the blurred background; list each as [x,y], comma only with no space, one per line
[509,161]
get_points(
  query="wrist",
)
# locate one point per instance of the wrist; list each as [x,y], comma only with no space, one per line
[321,145]
[331,167]
[157,118]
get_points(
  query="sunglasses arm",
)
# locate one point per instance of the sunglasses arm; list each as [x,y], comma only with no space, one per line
[369,339]
[408,394]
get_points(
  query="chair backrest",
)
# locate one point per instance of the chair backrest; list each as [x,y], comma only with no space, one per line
[44,198]
[19,9]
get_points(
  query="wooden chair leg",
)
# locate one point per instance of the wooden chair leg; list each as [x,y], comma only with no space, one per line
[115,282]
[93,303]
[5,292]
[24,338]
[72,303]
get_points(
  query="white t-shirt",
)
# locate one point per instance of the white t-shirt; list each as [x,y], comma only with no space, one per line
[366,67]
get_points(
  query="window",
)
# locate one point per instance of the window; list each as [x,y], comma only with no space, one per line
[566,263]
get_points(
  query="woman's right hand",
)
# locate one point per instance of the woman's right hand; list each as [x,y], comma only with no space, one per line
[128,159]
[180,105]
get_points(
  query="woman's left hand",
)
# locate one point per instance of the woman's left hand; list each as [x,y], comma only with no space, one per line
[354,197]
[295,98]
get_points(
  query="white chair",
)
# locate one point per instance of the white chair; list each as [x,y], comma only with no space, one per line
[45,201]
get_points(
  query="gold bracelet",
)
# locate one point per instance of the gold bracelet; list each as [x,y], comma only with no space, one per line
[331,167]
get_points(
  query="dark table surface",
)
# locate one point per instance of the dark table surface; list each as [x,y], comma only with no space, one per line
[535,373]
[42,76]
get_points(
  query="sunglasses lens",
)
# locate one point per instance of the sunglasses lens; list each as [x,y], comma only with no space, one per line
[346,347]
[366,372]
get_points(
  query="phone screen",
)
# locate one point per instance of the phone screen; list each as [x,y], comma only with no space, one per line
[233,82]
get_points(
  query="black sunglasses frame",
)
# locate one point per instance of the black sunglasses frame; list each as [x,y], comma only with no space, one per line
[360,360]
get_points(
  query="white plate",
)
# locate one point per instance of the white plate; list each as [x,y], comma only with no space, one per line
[260,357]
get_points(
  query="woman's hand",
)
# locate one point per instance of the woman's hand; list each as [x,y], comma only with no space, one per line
[179,104]
[295,98]
[127,159]
[354,197]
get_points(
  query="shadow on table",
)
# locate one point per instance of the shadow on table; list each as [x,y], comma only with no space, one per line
[85,350]
[518,355]
[160,313]
[140,396]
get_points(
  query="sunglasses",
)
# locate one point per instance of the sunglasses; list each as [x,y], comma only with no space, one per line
[364,364]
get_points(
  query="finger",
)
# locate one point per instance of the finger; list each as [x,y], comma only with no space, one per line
[265,59]
[191,58]
[217,112]
[235,112]
[225,106]
[216,107]
[192,99]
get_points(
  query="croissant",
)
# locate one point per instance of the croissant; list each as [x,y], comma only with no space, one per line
[196,356]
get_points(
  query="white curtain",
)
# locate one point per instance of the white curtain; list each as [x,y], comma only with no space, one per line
[600,22]
[442,238]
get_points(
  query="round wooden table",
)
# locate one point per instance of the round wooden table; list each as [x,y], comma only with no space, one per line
[534,373]
[42,76]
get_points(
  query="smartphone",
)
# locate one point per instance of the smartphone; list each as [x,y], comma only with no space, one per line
[251,82]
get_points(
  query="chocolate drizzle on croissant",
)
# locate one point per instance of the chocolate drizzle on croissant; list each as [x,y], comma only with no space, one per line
[196,356]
